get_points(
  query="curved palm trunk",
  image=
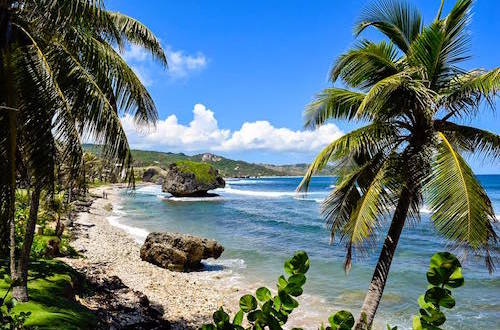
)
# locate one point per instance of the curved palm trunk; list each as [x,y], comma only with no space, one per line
[20,287]
[381,273]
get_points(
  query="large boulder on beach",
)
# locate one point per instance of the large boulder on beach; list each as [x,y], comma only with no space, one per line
[191,179]
[179,252]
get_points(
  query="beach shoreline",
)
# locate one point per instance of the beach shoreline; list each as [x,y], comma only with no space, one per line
[187,300]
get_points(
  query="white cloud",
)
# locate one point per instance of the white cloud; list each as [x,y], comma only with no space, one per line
[135,53]
[180,64]
[203,134]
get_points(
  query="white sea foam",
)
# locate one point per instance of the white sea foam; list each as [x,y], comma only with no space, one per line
[193,199]
[317,200]
[229,263]
[236,182]
[256,193]
[139,234]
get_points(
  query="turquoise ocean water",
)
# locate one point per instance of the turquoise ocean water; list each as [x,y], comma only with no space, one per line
[263,221]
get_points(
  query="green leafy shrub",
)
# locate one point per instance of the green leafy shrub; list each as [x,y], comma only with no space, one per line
[445,273]
[263,309]
[267,311]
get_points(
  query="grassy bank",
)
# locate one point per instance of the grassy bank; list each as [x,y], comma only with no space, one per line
[51,286]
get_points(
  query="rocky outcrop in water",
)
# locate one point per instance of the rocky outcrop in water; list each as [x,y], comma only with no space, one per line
[179,252]
[190,179]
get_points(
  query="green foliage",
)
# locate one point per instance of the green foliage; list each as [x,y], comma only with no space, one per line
[445,273]
[227,167]
[51,287]
[342,320]
[264,310]
[203,172]
[10,321]
[48,246]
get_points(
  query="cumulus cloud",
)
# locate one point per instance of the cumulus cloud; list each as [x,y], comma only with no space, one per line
[203,134]
[180,64]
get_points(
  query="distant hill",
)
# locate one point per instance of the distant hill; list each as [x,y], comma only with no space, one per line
[227,167]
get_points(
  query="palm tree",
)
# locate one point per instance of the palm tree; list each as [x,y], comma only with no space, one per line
[62,79]
[407,92]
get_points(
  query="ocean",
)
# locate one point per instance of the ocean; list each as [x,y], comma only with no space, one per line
[261,222]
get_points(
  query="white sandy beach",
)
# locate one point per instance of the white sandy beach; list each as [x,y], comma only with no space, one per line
[187,299]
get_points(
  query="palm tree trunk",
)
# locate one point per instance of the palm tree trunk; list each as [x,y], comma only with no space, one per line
[20,288]
[12,202]
[381,273]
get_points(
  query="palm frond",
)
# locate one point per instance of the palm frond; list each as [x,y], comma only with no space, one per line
[366,64]
[105,64]
[387,98]
[442,45]
[373,204]
[462,211]
[61,15]
[332,103]
[136,33]
[470,139]
[398,20]
[368,140]
[96,116]
[37,100]
[64,123]
[466,91]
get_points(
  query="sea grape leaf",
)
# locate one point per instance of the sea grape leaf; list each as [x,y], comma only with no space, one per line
[248,303]
[263,294]
[287,302]
[440,296]
[441,268]
[298,279]
[238,318]
[220,317]
[293,289]
[282,282]
[298,264]
[342,320]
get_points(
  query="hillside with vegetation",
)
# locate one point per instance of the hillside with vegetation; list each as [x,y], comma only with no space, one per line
[226,167]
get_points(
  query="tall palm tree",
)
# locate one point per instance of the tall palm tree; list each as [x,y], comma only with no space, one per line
[63,80]
[407,92]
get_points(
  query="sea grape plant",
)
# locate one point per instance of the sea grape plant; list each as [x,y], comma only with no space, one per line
[265,311]
[445,273]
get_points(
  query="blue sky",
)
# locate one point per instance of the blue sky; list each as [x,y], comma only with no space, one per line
[244,70]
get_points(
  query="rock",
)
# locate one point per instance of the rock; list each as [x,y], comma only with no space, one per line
[179,252]
[191,179]
[154,174]
[148,174]
[116,305]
